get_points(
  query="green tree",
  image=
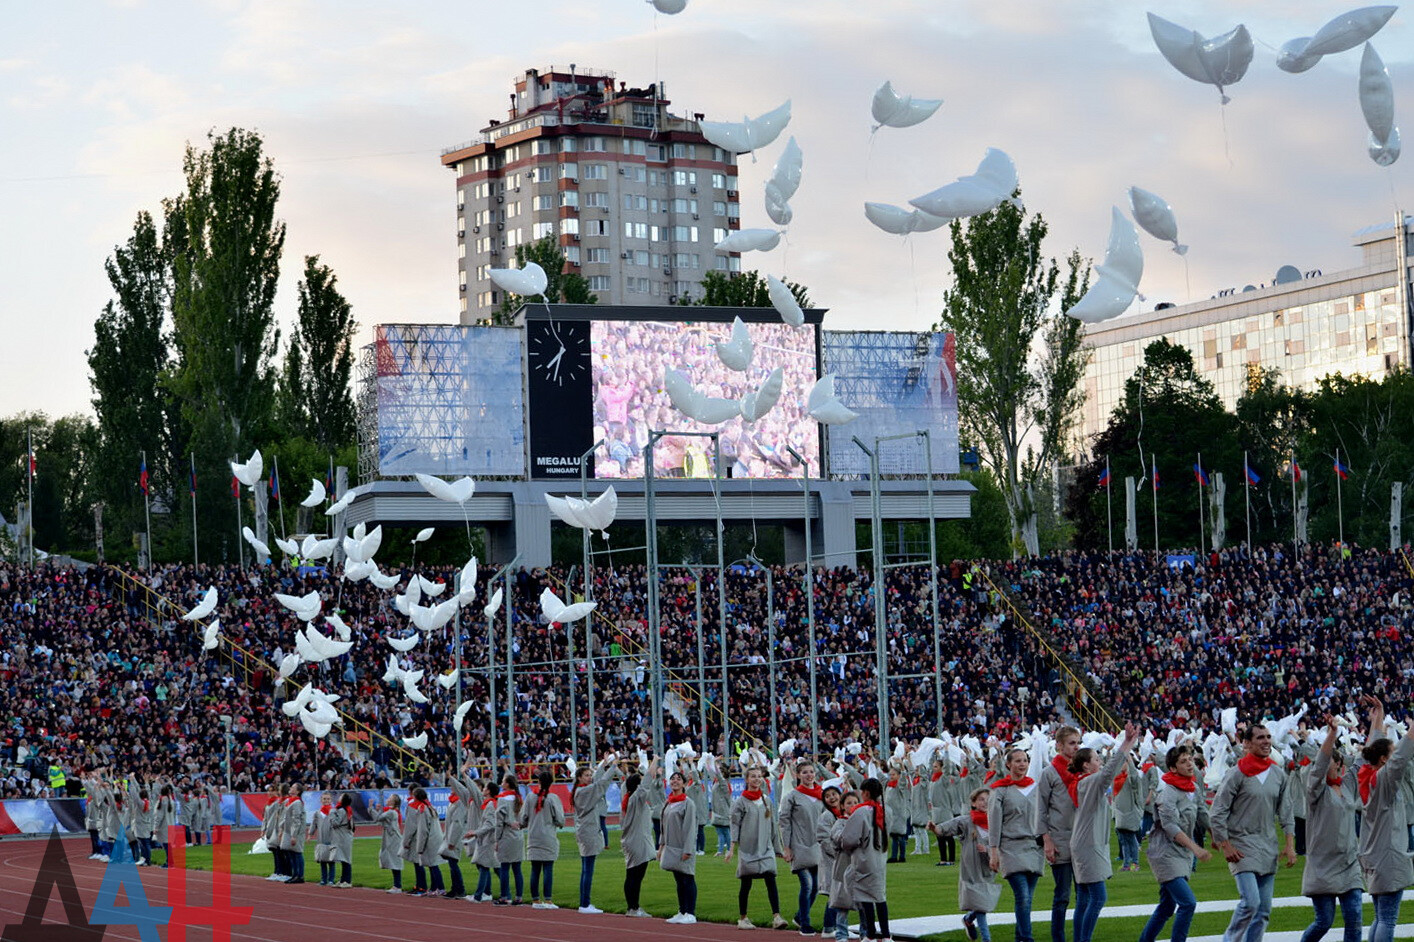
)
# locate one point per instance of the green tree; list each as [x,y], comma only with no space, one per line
[1004,304]
[740,289]
[316,401]
[127,362]
[225,336]
[1272,418]
[63,492]
[561,287]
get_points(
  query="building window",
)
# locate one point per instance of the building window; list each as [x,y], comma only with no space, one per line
[637,147]
[719,181]
[657,153]
[685,177]
[567,145]
[593,144]
[598,282]
[542,229]
[718,235]
[719,208]
[643,257]
[569,171]
[569,198]
[686,260]
[596,227]
[596,172]
[636,230]
[544,146]
[572,253]
[488,299]
[684,206]
[543,202]
[685,151]
[597,255]
[570,226]
[596,200]
[542,174]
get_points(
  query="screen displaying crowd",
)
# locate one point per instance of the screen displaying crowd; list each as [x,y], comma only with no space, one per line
[629,359]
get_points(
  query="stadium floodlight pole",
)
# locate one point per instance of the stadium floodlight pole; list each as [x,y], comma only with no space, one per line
[770,642]
[650,524]
[701,653]
[881,667]
[810,607]
[503,575]
[588,553]
[569,667]
[457,659]
[933,579]
[146,511]
[195,561]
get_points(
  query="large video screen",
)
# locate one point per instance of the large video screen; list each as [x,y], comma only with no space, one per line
[628,360]
[449,400]
[899,383]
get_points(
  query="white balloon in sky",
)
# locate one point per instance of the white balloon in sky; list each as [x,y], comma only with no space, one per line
[1154,214]
[890,109]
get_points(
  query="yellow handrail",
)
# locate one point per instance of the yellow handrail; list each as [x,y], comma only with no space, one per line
[1093,714]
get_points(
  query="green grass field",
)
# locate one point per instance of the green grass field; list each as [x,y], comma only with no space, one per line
[917,888]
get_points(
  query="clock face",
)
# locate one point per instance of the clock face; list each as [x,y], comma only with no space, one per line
[561,359]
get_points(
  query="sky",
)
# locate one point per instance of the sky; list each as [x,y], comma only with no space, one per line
[356,100]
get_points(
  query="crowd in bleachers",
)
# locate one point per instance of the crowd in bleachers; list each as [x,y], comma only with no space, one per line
[89,672]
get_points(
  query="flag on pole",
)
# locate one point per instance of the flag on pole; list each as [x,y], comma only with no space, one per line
[1200,474]
[235,487]
[142,476]
[192,477]
[1105,477]
[1252,476]
[329,477]
[1156,477]
[1296,472]
[274,484]
[1341,469]
[33,466]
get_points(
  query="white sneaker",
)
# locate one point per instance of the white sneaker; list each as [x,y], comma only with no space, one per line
[638,914]
[688,919]
[744,923]
[344,886]
[591,910]
[674,919]
[548,905]
[700,853]
[104,858]
[394,889]
[537,905]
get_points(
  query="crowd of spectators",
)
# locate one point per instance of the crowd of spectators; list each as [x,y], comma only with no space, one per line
[91,675]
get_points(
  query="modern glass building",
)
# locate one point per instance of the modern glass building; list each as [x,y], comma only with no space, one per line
[1306,324]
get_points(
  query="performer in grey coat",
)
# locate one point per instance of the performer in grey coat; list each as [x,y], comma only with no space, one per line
[510,843]
[636,836]
[341,828]
[942,806]
[1384,830]
[977,887]
[1177,804]
[484,847]
[323,835]
[896,805]
[270,823]
[1012,834]
[721,803]
[464,799]
[1090,836]
[756,842]
[1128,810]
[677,848]
[1253,795]
[832,812]
[586,795]
[390,844]
[1056,818]
[799,814]
[163,818]
[1332,872]
[864,837]
[541,818]
[422,843]
[292,832]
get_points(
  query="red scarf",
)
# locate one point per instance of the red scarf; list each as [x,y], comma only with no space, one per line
[488,803]
[325,809]
[453,798]
[935,776]
[1335,782]
[878,812]
[540,800]
[1062,766]
[1183,783]
[991,774]
[1022,782]
[1120,779]
[1146,766]
[505,794]
[963,772]
[1366,776]
[1072,785]
[145,806]
[1250,765]
[892,784]
[979,818]
[398,809]
[623,805]
[814,791]
[292,800]
[916,780]
[674,799]
[416,805]
[751,794]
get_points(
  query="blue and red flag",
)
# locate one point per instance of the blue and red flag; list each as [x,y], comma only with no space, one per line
[1341,469]
[1252,477]
[274,484]
[142,476]
[192,477]
[1201,475]
[329,477]
[1105,477]
[1156,477]
[1296,472]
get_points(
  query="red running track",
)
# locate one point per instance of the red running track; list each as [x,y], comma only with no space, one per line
[311,913]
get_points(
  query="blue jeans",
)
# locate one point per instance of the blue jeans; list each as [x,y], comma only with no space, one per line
[586,879]
[1175,899]
[896,842]
[539,868]
[454,874]
[1386,915]
[841,923]
[1254,907]
[483,882]
[1324,905]
[1090,899]
[1128,847]
[505,871]
[604,830]
[701,838]
[1023,888]
[979,919]
[809,878]
[1146,824]
[724,837]
[1060,900]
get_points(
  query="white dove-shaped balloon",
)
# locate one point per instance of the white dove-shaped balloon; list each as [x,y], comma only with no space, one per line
[205,607]
[596,514]
[394,673]
[289,664]
[900,221]
[529,280]
[424,535]
[316,494]
[211,637]
[742,136]
[447,681]
[382,580]
[757,403]
[1220,60]
[736,353]
[1348,30]
[824,406]
[403,645]
[305,607]
[1156,217]
[467,581]
[261,550]
[557,612]
[337,622]
[750,240]
[410,686]
[1116,281]
[892,110]
[669,7]
[410,597]
[342,504]
[455,492]
[785,175]
[783,300]
[429,588]
[315,728]
[288,547]
[416,742]
[991,185]
[459,717]
[1376,95]
[249,472]
[491,607]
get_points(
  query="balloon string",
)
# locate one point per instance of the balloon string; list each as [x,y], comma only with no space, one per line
[913,266]
[1227,151]
[1187,288]
[869,155]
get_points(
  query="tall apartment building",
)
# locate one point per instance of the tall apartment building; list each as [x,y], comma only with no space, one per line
[1307,324]
[636,196]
